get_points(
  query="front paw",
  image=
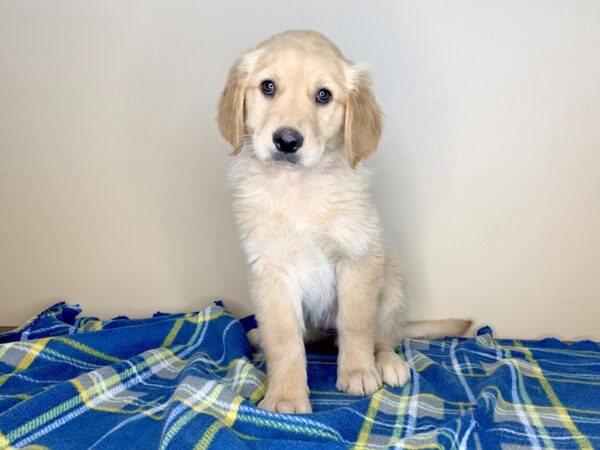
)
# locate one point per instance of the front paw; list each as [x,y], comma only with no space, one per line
[392,368]
[358,381]
[286,404]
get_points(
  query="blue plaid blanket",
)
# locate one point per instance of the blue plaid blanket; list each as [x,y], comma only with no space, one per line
[192,381]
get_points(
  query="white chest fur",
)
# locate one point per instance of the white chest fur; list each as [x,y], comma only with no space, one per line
[302,223]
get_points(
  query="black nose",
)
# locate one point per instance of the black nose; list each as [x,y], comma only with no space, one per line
[287,140]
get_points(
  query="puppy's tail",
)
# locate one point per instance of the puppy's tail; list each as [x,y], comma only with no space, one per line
[433,329]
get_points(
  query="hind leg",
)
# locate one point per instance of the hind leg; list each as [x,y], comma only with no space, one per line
[392,368]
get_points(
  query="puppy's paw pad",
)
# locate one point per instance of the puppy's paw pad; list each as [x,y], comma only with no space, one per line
[359,382]
[393,369]
[286,405]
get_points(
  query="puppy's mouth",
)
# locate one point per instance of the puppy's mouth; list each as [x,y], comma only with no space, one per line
[285,159]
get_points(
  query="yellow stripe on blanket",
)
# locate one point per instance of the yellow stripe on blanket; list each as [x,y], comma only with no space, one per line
[561,411]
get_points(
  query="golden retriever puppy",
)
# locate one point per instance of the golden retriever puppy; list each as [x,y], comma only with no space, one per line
[300,118]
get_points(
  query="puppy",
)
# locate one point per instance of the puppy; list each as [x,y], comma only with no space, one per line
[300,118]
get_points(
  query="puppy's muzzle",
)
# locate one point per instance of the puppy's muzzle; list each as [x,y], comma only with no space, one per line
[287,140]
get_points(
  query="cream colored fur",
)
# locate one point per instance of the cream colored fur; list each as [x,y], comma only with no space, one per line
[309,230]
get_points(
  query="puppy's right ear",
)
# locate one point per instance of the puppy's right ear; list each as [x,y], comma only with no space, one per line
[231,104]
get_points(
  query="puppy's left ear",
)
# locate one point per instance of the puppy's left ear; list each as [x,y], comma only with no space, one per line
[363,118]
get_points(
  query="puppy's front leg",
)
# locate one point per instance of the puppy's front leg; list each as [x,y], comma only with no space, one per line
[359,283]
[279,317]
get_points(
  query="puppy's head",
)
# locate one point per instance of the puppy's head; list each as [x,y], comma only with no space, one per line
[295,99]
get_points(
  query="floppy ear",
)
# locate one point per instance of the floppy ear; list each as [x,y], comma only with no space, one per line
[363,118]
[231,106]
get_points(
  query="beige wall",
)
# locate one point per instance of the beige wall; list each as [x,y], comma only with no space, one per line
[112,173]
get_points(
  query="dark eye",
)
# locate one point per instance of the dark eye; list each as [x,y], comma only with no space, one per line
[267,87]
[323,96]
